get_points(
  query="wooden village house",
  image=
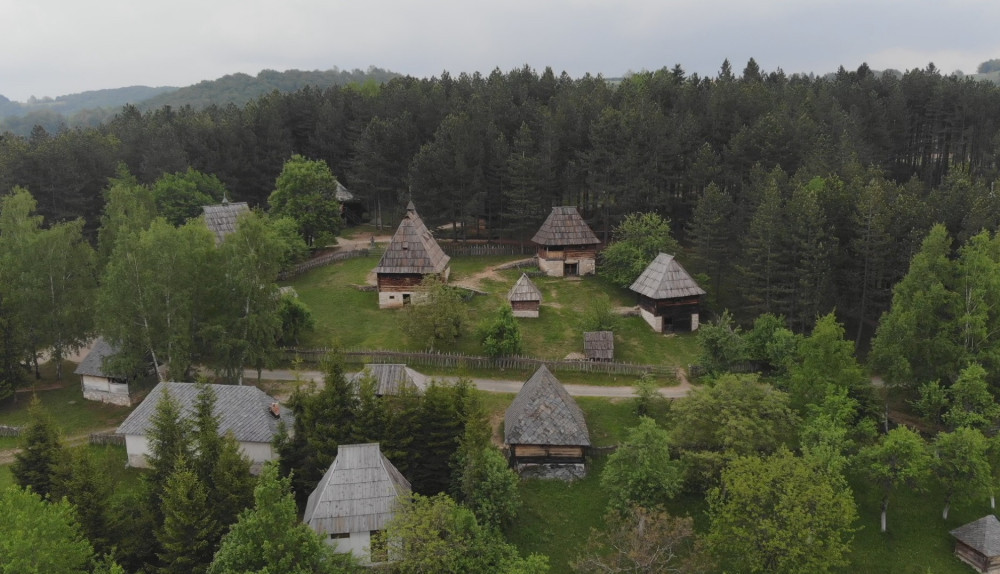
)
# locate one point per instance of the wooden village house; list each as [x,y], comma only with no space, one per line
[566,244]
[978,544]
[247,412]
[669,299]
[525,298]
[599,345]
[98,384]
[221,219]
[390,379]
[411,256]
[545,429]
[356,498]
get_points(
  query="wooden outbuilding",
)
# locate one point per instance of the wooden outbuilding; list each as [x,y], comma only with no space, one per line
[669,299]
[525,298]
[599,345]
[391,378]
[545,426]
[566,244]
[356,498]
[221,219]
[411,256]
[978,544]
[99,384]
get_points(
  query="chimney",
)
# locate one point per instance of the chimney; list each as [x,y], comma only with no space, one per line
[275,410]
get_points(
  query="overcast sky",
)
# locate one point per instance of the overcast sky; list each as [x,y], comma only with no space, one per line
[58,47]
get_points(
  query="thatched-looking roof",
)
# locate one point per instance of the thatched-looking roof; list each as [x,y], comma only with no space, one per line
[543,413]
[412,249]
[93,364]
[664,278]
[983,535]
[390,379]
[524,290]
[221,219]
[242,410]
[599,345]
[564,226]
[359,492]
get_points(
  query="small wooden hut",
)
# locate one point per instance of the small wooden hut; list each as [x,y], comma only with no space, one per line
[412,255]
[99,384]
[221,219]
[525,298]
[599,345]
[356,498]
[669,299]
[391,379]
[545,426]
[566,244]
[978,544]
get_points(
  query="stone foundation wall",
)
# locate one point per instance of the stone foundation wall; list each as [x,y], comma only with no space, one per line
[567,472]
[654,321]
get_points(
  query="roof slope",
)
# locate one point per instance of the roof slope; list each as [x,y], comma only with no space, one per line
[241,409]
[599,345]
[221,219]
[664,278]
[524,290]
[412,249]
[544,413]
[564,226]
[359,492]
[92,364]
[390,378]
[983,535]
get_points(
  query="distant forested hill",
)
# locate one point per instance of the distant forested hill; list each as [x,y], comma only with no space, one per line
[73,103]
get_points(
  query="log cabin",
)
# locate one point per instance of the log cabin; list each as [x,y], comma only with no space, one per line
[566,244]
[669,299]
[978,544]
[525,298]
[411,256]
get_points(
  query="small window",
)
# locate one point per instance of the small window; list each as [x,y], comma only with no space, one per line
[340,535]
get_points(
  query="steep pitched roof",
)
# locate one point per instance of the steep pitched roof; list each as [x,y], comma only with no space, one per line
[221,219]
[983,535]
[242,409]
[359,492]
[664,278]
[92,364]
[342,195]
[599,345]
[524,290]
[544,413]
[389,378]
[412,249]
[564,226]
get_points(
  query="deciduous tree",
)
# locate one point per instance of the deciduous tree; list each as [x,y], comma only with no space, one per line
[640,472]
[900,459]
[638,239]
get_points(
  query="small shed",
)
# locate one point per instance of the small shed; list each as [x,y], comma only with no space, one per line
[545,427]
[978,544]
[412,255]
[221,219]
[525,298]
[98,384]
[599,345]
[356,498]
[669,299]
[391,378]
[566,244]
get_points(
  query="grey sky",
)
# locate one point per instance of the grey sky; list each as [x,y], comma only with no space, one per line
[57,47]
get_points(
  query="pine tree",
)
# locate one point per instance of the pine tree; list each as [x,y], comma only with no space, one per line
[763,267]
[80,481]
[711,235]
[189,531]
[230,487]
[41,452]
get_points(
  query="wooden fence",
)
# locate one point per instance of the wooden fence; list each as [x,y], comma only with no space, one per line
[459,360]
[320,262]
[106,438]
[6,430]
[483,249]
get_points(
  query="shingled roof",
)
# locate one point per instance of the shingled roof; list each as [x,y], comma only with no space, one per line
[983,535]
[359,492]
[564,226]
[599,345]
[664,278]
[221,219]
[390,378]
[544,413]
[242,409]
[412,249]
[524,290]
[93,364]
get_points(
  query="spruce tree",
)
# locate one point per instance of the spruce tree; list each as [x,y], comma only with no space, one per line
[80,481]
[41,452]
[189,531]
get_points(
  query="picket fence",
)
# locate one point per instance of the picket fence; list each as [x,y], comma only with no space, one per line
[459,360]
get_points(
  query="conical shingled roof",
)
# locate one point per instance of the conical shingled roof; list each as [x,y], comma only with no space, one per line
[221,219]
[544,413]
[524,290]
[982,535]
[664,278]
[564,226]
[412,249]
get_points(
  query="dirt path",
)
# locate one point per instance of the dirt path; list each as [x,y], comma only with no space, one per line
[7,455]
[491,273]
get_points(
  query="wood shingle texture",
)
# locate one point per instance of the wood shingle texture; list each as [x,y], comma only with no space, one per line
[413,249]
[93,363]
[978,544]
[665,278]
[221,219]
[544,413]
[564,226]
[599,345]
[390,378]
[98,384]
[525,298]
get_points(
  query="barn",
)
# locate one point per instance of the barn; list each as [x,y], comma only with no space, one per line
[566,244]
[98,384]
[525,298]
[978,544]
[545,428]
[356,498]
[221,219]
[669,299]
[412,255]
